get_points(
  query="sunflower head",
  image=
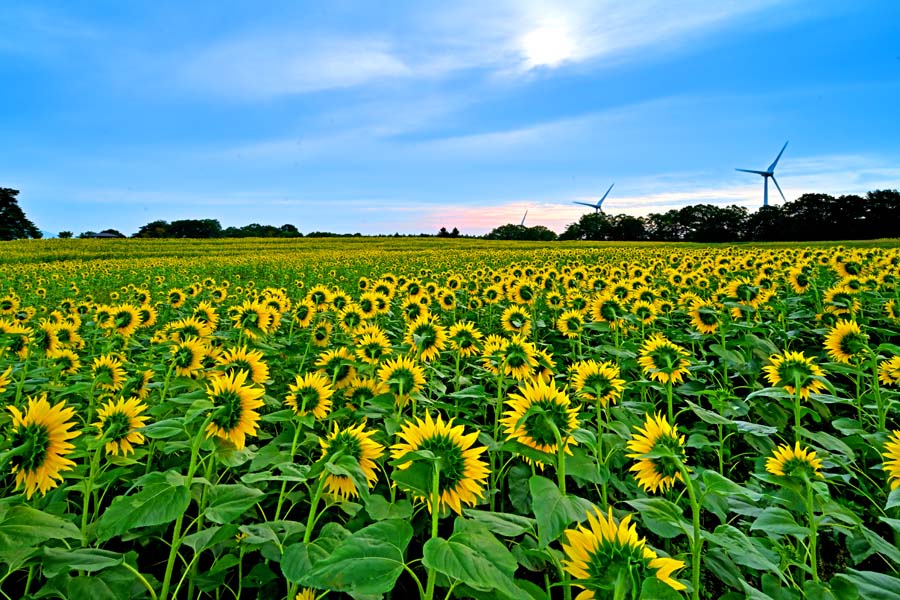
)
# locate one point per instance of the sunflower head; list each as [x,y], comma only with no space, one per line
[358,444]
[795,373]
[663,361]
[846,342]
[40,442]
[705,317]
[657,473]
[188,355]
[889,371]
[570,323]
[403,377]
[426,338]
[540,416]
[337,366]
[465,338]
[118,425]
[595,381]
[108,372]
[516,320]
[310,393]
[234,416]
[891,455]
[794,462]
[603,553]
[462,474]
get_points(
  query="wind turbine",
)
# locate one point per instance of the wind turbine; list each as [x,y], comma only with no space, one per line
[597,206]
[770,172]
[522,224]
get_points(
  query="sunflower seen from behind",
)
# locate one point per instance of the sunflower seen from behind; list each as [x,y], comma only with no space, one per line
[234,402]
[403,377]
[593,381]
[39,442]
[118,424]
[310,393]
[891,456]
[541,416]
[796,462]
[357,443]
[463,472]
[846,342]
[663,361]
[598,555]
[655,474]
[796,373]
[426,338]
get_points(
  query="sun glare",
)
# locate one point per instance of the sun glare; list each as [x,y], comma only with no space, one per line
[547,46]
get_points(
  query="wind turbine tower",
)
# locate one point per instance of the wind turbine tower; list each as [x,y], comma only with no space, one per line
[597,206]
[768,173]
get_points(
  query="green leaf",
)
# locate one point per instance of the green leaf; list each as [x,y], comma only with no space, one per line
[416,478]
[654,589]
[380,509]
[26,526]
[707,416]
[745,550]
[661,516]
[475,557]
[505,524]
[156,504]
[164,429]
[58,560]
[368,562]
[553,511]
[775,521]
[209,536]
[94,588]
[582,466]
[872,585]
[228,502]
[893,500]
[296,563]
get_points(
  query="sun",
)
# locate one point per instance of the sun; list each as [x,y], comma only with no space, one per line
[547,46]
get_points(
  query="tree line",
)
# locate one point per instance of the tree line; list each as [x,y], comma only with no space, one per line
[811,217]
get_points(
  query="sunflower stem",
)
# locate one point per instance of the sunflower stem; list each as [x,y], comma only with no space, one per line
[669,405]
[813,533]
[435,513]
[177,538]
[601,458]
[879,401]
[278,506]
[88,487]
[311,519]
[696,539]
[798,437]
[140,578]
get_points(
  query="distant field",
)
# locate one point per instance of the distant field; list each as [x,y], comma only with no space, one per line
[269,418]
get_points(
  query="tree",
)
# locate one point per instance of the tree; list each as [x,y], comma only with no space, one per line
[195,228]
[154,229]
[112,233]
[14,224]
[443,233]
[65,235]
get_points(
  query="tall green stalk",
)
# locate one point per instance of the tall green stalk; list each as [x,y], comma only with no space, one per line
[696,538]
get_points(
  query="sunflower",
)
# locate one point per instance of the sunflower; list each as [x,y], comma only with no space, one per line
[516,320]
[359,444]
[663,361]
[845,341]
[413,309]
[841,300]
[68,336]
[304,313]
[65,360]
[659,473]
[446,299]
[5,379]
[372,348]
[538,414]
[251,361]
[403,377]
[607,308]
[235,415]
[16,338]
[518,358]
[188,355]
[126,319]
[490,352]
[320,296]
[793,368]
[321,333]
[794,462]
[644,311]
[148,315]
[889,371]
[705,316]
[463,474]
[189,327]
[138,386]
[118,425]
[799,279]
[891,457]
[108,373]
[337,366]
[46,338]
[176,297]
[306,594]
[362,389]
[570,323]
[350,317]
[597,555]
[9,304]
[465,338]
[310,393]
[206,313]
[426,338]
[40,443]
[595,381]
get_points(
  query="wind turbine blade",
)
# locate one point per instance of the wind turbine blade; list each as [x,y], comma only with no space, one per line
[584,204]
[772,166]
[522,224]
[605,195]
[775,181]
[763,173]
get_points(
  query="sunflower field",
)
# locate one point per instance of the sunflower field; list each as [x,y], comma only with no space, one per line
[427,419]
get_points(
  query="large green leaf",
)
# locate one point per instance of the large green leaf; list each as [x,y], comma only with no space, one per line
[553,511]
[872,585]
[58,560]
[23,526]
[475,557]
[228,502]
[505,524]
[368,562]
[744,550]
[776,521]
[662,517]
[380,509]
[157,503]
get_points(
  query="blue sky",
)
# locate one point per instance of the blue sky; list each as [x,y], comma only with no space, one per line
[343,117]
